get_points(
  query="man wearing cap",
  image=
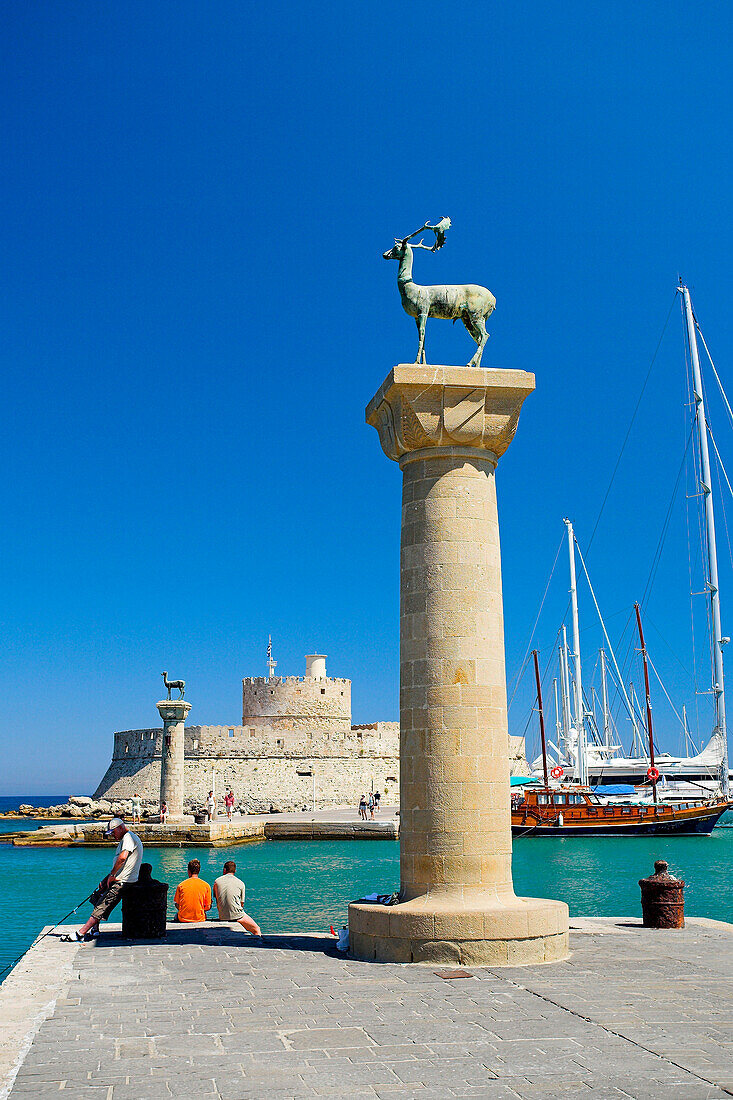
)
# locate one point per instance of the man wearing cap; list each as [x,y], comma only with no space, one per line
[125,871]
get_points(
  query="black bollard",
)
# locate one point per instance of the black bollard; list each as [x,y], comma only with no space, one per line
[145,907]
[662,898]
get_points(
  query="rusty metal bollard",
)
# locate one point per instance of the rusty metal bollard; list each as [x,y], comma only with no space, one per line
[145,907]
[662,898]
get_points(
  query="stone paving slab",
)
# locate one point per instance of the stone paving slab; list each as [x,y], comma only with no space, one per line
[211,1013]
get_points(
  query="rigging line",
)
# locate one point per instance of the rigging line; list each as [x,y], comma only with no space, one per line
[531,637]
[631,424]
[690,570]
[717,376]
[665,527]
[659,678]
[722,504]
[720,460]
[603,625]
[543,678]
[704,545]
[685,669]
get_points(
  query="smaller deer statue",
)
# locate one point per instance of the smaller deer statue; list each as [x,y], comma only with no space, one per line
[170,684]
[470,303]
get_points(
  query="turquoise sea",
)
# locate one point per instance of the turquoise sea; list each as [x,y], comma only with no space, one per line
[307,885]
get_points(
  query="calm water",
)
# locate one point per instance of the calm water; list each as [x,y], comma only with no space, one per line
[306,885]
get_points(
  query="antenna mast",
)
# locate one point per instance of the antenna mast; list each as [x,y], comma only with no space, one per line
[712,552]
[271,665]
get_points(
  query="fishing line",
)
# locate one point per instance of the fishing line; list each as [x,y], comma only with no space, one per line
[9,967]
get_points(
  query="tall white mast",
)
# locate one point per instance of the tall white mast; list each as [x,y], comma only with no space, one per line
[638,743]
[579,718]
[604,702]
[565,689]
[712,553]
[558,722]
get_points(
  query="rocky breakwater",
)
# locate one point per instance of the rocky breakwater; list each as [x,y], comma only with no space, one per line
[78,806]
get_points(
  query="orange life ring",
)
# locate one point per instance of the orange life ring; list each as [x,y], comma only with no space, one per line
[652,773]
[557,772]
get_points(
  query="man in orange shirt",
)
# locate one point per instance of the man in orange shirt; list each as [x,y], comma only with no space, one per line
[193,896]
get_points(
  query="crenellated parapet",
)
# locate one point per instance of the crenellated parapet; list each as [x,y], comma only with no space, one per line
[297,703]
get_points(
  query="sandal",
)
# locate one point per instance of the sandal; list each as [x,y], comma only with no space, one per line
[72,937]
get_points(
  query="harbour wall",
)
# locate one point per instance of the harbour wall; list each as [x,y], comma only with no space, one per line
[268,767]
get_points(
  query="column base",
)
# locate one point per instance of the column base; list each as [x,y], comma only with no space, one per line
[476,931]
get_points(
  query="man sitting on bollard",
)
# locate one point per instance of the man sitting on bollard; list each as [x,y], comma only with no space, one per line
[229,894]
[193,896]
[125,871]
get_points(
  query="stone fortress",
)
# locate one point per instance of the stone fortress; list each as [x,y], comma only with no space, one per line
[295,744]
[296,747]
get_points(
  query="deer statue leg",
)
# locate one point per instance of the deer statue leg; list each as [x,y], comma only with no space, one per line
[420,322]
[477,327]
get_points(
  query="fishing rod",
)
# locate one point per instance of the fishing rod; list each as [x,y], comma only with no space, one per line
[6,969]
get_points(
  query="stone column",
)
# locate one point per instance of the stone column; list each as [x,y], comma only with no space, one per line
[447,427]
[173,712]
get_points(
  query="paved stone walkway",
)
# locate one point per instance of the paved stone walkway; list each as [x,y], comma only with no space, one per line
[210,1014]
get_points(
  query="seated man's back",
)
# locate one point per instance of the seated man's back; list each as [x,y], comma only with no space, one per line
[229,892]
[193,896]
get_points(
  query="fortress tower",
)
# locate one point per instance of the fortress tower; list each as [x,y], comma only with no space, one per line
[298,703]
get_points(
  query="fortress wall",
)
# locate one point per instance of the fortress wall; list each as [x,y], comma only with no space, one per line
[135,765]
[297,703]
[262,766]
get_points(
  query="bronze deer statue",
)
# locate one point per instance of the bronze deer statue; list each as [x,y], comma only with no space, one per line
[470,303]
[180,685]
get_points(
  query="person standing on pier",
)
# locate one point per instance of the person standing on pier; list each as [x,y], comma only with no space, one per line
[229,894]
[125,871]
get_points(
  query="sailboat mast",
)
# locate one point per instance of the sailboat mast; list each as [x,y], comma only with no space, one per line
[652,767]
[579,723]
[604,702]
[712,553]
[558,723]
[565,687]
[542,716]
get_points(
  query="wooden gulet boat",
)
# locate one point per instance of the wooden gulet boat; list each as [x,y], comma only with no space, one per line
[574,810]
[569,810]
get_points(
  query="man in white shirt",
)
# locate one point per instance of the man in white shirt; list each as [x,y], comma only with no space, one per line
[125,871]
[229,894]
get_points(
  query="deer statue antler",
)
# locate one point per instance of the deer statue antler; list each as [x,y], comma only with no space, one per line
[440,231]
[411,235]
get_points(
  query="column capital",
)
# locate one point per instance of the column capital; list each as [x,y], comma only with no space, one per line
[173,710]
[421,408]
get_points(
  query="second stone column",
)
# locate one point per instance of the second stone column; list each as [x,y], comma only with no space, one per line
[172,763]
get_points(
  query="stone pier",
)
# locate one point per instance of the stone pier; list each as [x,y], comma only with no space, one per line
[447,427]
[173,712]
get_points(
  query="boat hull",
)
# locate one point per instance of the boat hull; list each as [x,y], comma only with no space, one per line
[699,825]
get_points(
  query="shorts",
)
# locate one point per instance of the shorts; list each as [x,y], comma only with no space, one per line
[109,900]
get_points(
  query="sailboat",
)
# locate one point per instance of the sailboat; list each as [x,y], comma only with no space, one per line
[565,809]
[599,760]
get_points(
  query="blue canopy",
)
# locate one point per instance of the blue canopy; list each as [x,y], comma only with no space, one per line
[522,780]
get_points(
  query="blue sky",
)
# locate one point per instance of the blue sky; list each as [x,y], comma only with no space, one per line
[195,312]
